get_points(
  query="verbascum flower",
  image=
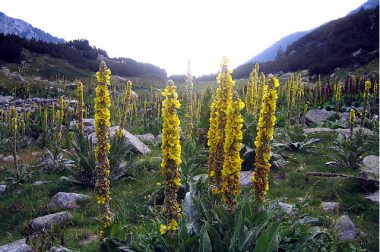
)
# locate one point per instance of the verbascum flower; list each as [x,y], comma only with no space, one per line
[352,120]
[126,104]
[216,132]
[232,145]
[46,118]
[171,155]
[265,130]
[252,90]
[338,96]
[189,105]
[260,92]
[58,134]
[102,127]
[14,130]
[61,107]
[376,89]
[80,107]
[367,87]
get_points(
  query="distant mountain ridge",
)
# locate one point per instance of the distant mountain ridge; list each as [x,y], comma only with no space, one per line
[9,25]
[271,52]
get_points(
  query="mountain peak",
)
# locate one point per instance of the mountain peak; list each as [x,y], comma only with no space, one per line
[9,25]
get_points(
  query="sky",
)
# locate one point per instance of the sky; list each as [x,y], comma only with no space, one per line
[167,33]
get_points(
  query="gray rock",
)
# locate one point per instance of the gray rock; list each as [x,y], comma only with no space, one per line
[16,246]
[135,144]
[345,228]
[246,178]
[6,99]
[158,138]
[10,158]
[88,240]
[318,116]
[1,157]
[347,131]
[316,130]
[329,206]
[42,182]
[67,200]
[61,249]
[47,221]
[374,197]
[287,208]
[20,78]
[146,137]
[3,188]
[370,167]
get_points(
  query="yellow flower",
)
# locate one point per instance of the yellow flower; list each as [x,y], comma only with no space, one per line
[173,225]
[232,145]
[124,111]
[216,133]
[163,229]
[171,151]
[367,87]
[80,107]
[263,139]
[252,90]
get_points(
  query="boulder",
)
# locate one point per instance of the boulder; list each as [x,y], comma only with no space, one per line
[318,116]
[347,131]
[60,249]
[10,158]
[6,99]
[246,178]
[133,142]
[50,220]
[374,197]
[3,188]
[146,137]
[330,206]
[16,246]
[67,200]
[370,167]
[345,228]
[287,208]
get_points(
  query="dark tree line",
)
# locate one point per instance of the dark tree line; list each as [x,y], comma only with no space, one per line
[79,53]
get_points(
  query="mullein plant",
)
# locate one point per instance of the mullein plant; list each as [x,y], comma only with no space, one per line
[14,131]
[102,127]
[367,87]
[232,145]
[265,129]
[80,108]
[216,132]
[352,121]
[252,90]
[58,126]
[126,104]
[338,96]
[189,104]
[260,92]
[171,158]
[290,99]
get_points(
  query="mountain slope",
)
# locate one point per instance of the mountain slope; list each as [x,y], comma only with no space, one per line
[349,41]
[271,52]
[23,29]
[370,4]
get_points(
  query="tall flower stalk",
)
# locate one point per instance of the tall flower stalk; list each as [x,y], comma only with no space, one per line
[80,108]
[265,129]
[352,120]
[338,96]
[171,157]
[102,127]
[252,90]
[367,87]
[216,132]
[126,104]
[14,131]
[232,145]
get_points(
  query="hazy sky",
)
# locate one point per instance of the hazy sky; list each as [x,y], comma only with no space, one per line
[167,33]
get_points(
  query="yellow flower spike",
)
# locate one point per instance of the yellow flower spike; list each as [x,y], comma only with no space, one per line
[163,229]
[102,126]
[126,106]
[80,107]
[352,120]
[232,145]
[252,90]
[338,96]
[263,139]
[367,87]
[171,151]
[216,133]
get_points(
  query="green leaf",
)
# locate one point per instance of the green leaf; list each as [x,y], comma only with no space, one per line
[246,241]
[204,242]
[215,238]
[269,240]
